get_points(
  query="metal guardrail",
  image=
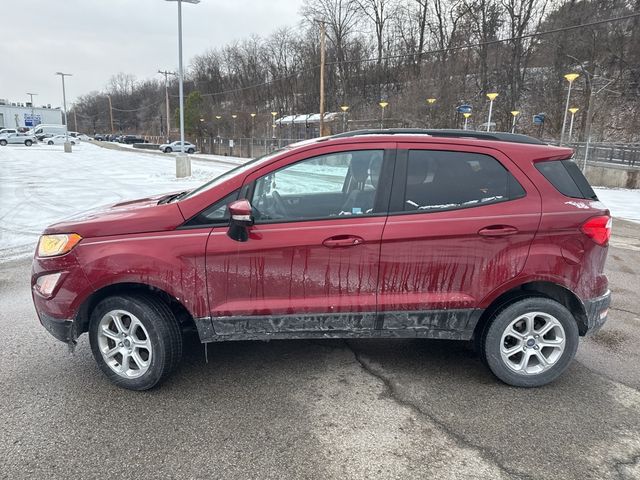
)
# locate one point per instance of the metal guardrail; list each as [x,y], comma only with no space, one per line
[623,154]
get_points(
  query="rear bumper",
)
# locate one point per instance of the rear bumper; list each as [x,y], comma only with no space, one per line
[597,312]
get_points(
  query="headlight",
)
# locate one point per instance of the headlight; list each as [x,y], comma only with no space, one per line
[52,245]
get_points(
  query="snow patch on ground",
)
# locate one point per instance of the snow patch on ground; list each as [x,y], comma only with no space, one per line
[40,185]
[623,203]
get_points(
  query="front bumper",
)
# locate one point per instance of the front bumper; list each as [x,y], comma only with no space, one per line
[62,329]
[597,312]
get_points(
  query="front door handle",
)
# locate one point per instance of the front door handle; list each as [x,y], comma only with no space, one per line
[497,231]
[343,241]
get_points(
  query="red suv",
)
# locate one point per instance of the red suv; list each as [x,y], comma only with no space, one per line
[490,237]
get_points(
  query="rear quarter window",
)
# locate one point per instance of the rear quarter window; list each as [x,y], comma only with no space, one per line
[567,178]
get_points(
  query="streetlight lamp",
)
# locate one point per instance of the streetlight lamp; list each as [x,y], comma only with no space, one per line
[491,97]
[573,111]
[383,104]
[67,145]
[515,114]
[344,109]
[430,102]
[183,163]
[466,116]
[569,77]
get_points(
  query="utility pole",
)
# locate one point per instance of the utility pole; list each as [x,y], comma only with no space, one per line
[67,145]
[32,111]
[166,94]
[322,55]
[111,113]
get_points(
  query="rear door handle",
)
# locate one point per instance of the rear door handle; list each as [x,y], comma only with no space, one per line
[497,231]
[343,241]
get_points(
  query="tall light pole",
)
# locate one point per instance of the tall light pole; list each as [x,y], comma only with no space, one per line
[573,111]
[183,163]
[515,114]
[67,145]
[344,109]
[273,124]
[491,97]
[31,95]
[166,74]
[569,77]
[234,116]
[323,33]
[253,129]
[466,116]
[430,102]
[383,104]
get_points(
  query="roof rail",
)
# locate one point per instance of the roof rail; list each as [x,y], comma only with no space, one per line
[450,133]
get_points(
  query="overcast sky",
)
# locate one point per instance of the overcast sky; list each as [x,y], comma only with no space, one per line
[94,39]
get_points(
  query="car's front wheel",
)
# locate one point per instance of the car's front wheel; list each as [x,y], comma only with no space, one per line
[531,342]
[168,150]
[191,150]
[135,339]
[49,142]
[28,143]
[3,143]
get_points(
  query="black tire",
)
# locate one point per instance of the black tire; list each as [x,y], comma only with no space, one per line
[49,143]
[191,150]
[3,143]
[168,150]
[492,338]
[163,331]
[28,143]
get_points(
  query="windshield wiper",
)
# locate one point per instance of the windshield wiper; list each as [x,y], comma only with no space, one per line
[172,198]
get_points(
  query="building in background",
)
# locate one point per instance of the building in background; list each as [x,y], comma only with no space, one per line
[23,115]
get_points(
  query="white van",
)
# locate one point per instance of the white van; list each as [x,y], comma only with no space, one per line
[45,131]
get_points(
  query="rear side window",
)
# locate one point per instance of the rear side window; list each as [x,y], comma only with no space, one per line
[441,180]
[567,178]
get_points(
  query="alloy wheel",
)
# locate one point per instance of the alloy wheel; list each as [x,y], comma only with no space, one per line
[124,344]
[532,343]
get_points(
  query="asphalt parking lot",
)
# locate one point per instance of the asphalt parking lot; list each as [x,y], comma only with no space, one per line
[322,409]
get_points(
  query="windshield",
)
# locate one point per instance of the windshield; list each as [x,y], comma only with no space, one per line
[231,173]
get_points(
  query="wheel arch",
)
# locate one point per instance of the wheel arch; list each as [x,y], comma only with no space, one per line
[182,314]
[544,288]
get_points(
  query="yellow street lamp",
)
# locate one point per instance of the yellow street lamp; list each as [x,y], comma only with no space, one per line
[431,101]
[573,111]
[466,116]
[491,97]
[515,113]
[569,77]
[383,104]
[344,109]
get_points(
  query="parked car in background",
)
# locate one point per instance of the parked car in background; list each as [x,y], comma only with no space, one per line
[130,139]
[17,139]
[176,147]
[7,131]
[458,235]
[99,137]
[60,139]
[84,137]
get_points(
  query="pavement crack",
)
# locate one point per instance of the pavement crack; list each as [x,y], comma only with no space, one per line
[395,395]
[621,465]
[624,310]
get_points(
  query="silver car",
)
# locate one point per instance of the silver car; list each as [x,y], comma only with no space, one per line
[18,138]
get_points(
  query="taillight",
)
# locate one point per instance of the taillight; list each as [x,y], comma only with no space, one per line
[598,229]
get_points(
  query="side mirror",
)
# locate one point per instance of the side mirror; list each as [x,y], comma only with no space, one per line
[241,218]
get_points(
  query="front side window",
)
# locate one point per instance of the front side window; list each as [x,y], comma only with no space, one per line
[441,180]
[332,185]
[216,214]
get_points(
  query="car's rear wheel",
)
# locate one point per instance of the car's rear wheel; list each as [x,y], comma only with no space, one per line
[191,150]
[168,150]
[530,342]
[3,143]
[135,339]
[49,142]
[28,143]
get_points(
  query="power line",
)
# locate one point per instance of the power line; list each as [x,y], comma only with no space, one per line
[492,42]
